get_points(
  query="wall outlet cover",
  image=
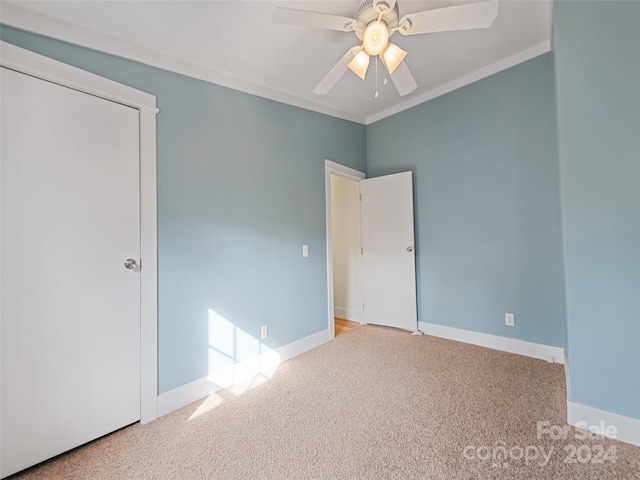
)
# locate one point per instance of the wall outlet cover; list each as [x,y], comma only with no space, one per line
[509,319]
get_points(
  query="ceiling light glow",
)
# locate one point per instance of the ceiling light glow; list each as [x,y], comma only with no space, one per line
[375,37]
[360,64]
[392,57]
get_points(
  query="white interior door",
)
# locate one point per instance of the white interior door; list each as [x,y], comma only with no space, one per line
[388,256]
[70,310]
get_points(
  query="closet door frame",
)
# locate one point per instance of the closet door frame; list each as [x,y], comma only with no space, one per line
[39,66]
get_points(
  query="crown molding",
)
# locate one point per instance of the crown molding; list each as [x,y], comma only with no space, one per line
[484,72]
[34,22]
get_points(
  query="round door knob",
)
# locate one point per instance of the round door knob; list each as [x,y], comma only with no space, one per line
[409,249]
[130,264]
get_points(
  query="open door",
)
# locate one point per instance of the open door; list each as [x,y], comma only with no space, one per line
[388,256]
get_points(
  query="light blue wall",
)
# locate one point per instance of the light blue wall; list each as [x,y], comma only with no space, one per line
[598,77]
[240,190]
[487,206]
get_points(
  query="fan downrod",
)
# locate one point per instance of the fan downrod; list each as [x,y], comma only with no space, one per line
[369,11]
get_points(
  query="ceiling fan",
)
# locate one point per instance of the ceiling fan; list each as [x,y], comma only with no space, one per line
[375,22]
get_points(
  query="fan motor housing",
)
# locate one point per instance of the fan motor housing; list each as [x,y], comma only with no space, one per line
[367,12]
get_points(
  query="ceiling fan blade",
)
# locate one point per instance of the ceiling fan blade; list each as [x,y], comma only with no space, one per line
[289,16]
[403,80]
[335,74]
[459,17]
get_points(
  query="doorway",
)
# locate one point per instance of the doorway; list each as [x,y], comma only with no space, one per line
[344,268]
[375,283]
[347,261]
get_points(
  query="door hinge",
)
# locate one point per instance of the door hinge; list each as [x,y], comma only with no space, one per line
[360,197]
[361,251]
[363,306]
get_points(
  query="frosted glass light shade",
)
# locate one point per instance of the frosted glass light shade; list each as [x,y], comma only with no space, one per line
[392,57]
[375,37]
[359,64]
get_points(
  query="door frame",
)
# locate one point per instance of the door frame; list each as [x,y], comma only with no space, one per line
[30,63]
[333,168]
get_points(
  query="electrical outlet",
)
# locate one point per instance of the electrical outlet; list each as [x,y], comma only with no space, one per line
[509,319]
[263,332]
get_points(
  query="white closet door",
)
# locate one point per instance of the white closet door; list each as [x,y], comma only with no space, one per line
[388,256]
[70,217]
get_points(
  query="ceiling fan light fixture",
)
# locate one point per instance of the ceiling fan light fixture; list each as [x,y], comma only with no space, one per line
[359,64]
[393,57]
[375,37]
[375,21]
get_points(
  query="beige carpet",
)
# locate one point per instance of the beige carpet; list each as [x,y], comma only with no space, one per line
[374,403]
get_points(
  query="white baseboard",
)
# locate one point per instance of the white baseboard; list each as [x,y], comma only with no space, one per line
[567,374]
[194,391]
[511,345]
[594,419]
[184,395]
[305,344]
[348,314]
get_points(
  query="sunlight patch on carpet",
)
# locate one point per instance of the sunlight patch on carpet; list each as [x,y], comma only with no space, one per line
[209,403]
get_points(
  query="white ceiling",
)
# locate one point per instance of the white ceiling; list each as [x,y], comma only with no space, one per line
[236,44]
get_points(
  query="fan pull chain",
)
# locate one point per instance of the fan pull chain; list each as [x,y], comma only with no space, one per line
[384,82]
[377,93]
